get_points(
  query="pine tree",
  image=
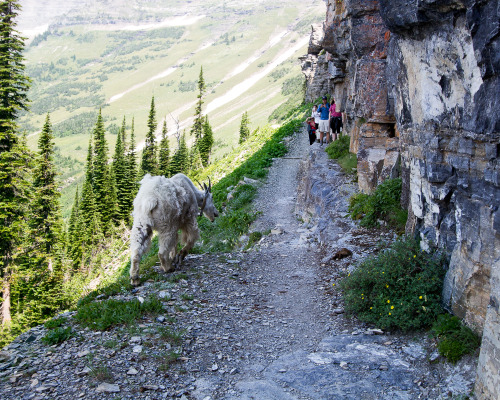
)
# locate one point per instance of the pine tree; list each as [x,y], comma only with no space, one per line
[46,220]
[206,142]
[119,170]
[195,162]
[164,156]
[244,129]
[14,85]
[180,160]
[197,128]
[75,228]
[87,202]
[149,163]
[123,131]
[38,288]
[102,183]
[132,185]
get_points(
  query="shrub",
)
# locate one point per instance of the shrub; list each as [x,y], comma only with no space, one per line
[58,335]
[338,148]
[348,163]
[55,322]
[454,338]
[383,204]
[399,288]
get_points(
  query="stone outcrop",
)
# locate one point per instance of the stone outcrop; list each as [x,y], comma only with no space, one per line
[421,95]
[354,70]
[315,66]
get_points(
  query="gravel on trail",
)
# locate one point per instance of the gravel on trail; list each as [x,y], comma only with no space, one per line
[263,324]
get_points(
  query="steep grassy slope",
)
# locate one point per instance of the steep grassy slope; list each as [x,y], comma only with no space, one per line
[115,55]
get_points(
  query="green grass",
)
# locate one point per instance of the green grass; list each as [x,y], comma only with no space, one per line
[454,338]
[170,336]
[339,147]
[102,315]
[339,150]
[166,359]
[101,373]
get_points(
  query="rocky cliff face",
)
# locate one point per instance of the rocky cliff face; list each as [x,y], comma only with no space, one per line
[421,85]
[356,44]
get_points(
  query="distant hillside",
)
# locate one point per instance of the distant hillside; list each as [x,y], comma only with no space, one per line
[117,54]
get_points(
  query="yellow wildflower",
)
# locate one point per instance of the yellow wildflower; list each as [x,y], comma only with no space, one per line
[392,307]
[420,297]
[388,301]
[390,314]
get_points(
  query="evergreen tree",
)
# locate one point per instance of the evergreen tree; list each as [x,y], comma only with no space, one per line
[123,131]
[38,290]
[244,129]
[149,163]
[164,156]
[14,85]
[75,228]
[87,204]
[197,128]
[102,183]
[132,185]
[180,160]
[195,161]
[119,170]
[206,142]
[46,220]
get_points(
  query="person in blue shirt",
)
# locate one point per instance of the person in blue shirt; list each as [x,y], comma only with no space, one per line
[324,128]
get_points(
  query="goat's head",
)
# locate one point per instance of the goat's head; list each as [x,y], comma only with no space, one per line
[208,207]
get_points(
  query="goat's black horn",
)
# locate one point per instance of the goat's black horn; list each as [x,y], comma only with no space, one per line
[199,183]
[209,185]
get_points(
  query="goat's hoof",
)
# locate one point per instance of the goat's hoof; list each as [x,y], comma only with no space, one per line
[135,281]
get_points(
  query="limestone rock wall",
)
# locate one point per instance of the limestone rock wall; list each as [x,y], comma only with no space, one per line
[444,63]
[355,43]
[420,86]
[315,66]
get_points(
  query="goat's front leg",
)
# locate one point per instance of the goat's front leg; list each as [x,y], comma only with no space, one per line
[166,251]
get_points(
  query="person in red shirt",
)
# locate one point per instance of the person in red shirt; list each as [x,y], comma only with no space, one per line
[311,129]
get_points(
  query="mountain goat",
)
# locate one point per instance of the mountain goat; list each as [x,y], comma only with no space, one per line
[167,206]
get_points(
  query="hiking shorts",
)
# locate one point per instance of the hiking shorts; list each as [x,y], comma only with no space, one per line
[323,125]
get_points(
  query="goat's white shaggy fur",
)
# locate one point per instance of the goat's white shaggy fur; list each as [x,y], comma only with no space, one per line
[167,206]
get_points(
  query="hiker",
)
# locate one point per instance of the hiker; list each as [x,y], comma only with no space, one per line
[324,129]
[316,116]
[335,120]
[311,129]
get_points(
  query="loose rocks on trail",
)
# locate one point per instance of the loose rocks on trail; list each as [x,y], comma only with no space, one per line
[263,324]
